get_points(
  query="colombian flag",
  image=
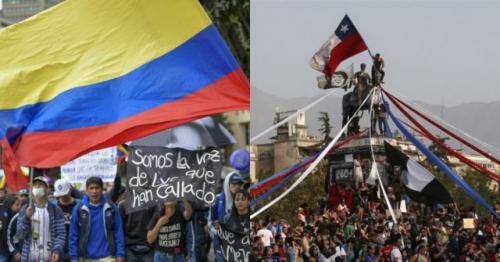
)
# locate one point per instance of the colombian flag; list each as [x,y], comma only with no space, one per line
[90,74]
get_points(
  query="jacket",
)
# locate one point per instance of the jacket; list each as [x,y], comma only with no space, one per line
[56,224]
[86,230]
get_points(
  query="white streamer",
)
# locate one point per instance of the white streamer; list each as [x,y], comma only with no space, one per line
[313,165]
[304,109]
[391,211]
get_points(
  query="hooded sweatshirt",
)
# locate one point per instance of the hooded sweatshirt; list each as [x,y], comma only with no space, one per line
[97,245]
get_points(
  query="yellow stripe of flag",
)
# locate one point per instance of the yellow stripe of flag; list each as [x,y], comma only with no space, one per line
[82,42]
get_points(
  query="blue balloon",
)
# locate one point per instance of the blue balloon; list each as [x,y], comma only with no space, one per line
[240,160]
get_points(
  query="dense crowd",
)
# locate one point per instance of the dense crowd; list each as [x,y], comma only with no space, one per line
[64,224]
[355,225]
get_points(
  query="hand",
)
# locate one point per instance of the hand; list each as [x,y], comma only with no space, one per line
[120,259]
[29,212]
[163,220]
[17,256]
[54,257]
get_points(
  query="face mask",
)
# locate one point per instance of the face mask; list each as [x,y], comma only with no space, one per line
[38,192]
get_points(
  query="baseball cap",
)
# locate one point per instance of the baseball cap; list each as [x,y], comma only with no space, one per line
[62,187]
[235,178]
[23,191]
[41,179]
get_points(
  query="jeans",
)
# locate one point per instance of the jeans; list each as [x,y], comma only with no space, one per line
[164,257]
[4,258]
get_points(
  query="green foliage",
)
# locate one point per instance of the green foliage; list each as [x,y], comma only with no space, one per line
[232,18]
[479,182]
[438,150]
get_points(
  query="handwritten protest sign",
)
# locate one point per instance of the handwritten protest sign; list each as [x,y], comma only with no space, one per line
[100,163]
[235,247]
[156,174]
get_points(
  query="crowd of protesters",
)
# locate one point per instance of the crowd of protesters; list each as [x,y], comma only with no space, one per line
[61,223]
[355,225]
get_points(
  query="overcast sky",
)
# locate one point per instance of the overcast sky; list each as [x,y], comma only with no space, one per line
[435,51]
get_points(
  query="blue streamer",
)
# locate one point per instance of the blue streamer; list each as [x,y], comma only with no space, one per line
[388,131]
[442,166]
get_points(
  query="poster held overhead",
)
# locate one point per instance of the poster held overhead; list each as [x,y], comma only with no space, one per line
[156,174]
[99,163]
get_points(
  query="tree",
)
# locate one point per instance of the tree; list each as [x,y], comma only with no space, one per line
[232,18]
[438,150]
[326,128]
[479,182]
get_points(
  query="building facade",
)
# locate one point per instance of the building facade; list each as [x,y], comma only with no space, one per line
[239,125]
[290,145]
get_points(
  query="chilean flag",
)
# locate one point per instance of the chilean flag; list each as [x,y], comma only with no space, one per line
[344,43]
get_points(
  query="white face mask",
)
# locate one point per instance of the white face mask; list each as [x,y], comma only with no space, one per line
[38,192]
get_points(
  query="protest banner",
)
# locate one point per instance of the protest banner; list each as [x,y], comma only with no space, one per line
[100,163]
[157,174]
[235,246]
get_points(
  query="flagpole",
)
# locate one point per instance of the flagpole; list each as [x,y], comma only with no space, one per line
[30,186]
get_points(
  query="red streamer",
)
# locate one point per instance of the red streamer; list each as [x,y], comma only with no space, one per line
[441,144]
[478,150]
[269,184]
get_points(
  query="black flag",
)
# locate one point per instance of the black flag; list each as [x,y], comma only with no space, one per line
[421,185]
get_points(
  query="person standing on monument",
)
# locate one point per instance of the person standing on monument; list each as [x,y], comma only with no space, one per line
[378,72]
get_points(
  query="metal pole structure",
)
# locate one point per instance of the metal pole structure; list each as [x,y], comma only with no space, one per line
[30,186]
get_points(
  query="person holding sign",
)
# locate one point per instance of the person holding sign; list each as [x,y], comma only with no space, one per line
[96,232]
[234,231]
[40,226]
[239,219]
[232,183]
[168,230]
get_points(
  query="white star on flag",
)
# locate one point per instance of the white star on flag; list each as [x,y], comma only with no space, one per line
[344,28]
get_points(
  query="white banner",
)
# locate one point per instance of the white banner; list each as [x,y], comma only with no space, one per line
[100,163]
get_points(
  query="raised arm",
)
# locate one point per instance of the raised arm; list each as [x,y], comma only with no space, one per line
[188,210]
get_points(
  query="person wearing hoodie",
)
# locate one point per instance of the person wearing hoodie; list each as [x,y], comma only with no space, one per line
[40,226]
[232,183]
[11,205]
[96,232]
